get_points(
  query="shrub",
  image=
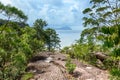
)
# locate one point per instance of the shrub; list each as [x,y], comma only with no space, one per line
[27,76]
[115,72]
[70,66]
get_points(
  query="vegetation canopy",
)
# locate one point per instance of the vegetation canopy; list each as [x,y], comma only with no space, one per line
[19,42]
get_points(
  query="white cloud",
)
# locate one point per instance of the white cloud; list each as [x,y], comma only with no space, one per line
[6,2]
[55,12]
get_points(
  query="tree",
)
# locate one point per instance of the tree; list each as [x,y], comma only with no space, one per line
[48,35]
[52,39]
[13,47]
[11,14]
[104,16]
[12,57]
[39,25]
[102,13]
[88,37]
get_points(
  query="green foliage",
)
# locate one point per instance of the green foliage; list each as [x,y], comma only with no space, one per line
[27,76]
[65,50]
[87,10]
[13,59]
[52,39]
[48,35]
[102,34]
[115,72]
[107,28]
[103,29]
[70,66]
[69,51]
[39,26]
[12,13]
[19,43]
[81,51]
[16,48]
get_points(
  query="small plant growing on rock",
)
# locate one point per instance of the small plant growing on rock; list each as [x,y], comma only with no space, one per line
[70,66]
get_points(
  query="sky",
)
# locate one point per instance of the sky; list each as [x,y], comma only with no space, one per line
[57,13]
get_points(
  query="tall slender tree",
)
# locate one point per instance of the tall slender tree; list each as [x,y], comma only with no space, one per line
[39,26]
[52,39]
[104,17]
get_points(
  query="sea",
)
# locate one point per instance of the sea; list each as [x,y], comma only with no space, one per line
[68,37]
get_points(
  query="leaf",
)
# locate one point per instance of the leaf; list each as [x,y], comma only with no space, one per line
[97,1]
[100,37]
[87,10]
[116,10]
[107,14]
[1,6]
[102,9]
[89,21]
[105,30]
[101,20]
[116,52]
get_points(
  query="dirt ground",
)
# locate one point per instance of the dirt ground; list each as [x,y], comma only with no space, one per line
[51,66]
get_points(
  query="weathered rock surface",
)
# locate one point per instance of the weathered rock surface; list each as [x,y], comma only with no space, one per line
[54,69]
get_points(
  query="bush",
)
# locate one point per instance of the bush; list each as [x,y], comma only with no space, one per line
[115,72]
[27,76]
[70,66]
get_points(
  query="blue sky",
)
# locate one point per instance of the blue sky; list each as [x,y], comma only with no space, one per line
[57,13]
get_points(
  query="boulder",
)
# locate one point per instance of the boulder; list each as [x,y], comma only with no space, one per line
[100,56]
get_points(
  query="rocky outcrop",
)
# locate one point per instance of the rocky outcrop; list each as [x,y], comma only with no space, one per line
[100,56]
[51,66]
